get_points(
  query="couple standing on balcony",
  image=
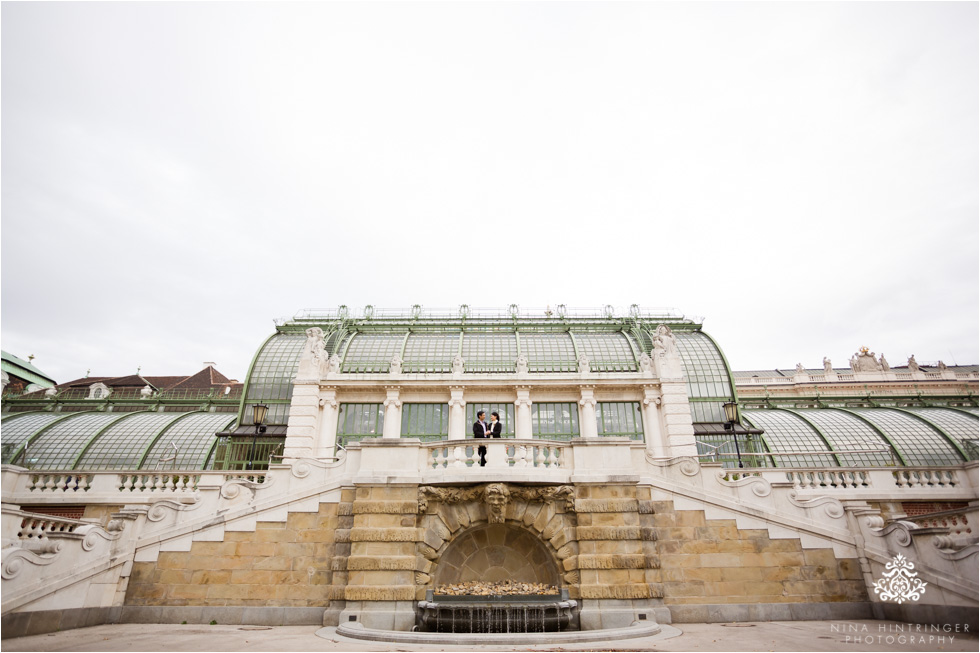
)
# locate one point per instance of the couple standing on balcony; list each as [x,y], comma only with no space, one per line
[483,430]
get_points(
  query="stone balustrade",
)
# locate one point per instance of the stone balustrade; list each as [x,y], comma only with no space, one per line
[27,487]
[521,454]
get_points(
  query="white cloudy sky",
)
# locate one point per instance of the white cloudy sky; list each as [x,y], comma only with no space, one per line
[175,175]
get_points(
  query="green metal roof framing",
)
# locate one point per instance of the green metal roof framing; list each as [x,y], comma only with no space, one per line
[160,432]
[938,428]
[99,432]
[26,443]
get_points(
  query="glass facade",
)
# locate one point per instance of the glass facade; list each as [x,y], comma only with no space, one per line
[960,426]
[371,352]
[786,432]
[430,353]
[359,421]
[121,446]
[425,421]
[708,384]
[194,438]
[491,352]
[17,429]
[554,421]
[847,432]
[58,447]
[918,442]
[619,418]
[548,352]
[271,381]
[607,352]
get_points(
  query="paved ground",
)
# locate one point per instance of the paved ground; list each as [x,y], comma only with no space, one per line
[765,636]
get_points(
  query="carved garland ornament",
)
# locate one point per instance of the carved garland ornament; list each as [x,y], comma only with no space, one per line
[496,496]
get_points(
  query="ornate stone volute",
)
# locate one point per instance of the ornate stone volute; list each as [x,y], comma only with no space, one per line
[496,496]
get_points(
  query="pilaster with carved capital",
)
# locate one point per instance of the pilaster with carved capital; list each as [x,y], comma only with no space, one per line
[327,438]
[393,413]
[457,414]
[587,404]
[653,432]
[522,429]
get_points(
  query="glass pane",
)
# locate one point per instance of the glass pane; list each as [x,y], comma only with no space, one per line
[607,352]
[620,418]
[786,432]
[490,352]
[548,352]
[554,421]
[960,426]
[704,367]
[430,352]
[427,422]
[16,430]
[917,441]
[272,376]
[372,352]
[848,432]
[194,436]
[358,421]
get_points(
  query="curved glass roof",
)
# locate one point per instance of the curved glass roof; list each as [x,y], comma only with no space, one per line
[492,352]
[270,380]
[17,428]
[95,441]
[916,436]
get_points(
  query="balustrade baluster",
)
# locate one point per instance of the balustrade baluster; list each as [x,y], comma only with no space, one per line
[539,458]
[520,456]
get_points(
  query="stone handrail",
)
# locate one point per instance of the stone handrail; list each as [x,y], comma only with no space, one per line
[921,483]
[24,486]
[500,454]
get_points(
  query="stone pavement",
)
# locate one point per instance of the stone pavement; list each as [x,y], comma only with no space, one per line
[864,635]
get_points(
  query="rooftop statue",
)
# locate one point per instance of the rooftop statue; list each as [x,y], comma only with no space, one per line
[457,365]
[314,354]
[883,364]
[395,367]
[522,364]
[800,369]
[666,358]
[584,366]
[913,365]
[827,367]
[865,361]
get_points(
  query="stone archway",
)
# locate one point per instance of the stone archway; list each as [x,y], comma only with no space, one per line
[496,552]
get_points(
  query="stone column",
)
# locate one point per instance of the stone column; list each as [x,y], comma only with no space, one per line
[522,427]
[652,431]
[587,420]
[393,414]
[326,446]
[457,414]
[304,414]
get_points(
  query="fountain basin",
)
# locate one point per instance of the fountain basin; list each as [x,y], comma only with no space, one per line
[496,613]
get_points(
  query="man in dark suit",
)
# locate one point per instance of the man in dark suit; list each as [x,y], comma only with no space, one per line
[480,431]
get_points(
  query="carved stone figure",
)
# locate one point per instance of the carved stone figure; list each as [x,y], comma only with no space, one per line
[333,364]
[146,391]
[941,366]
[913,365]
[522,364]
[800,369]
[395,367]
[827,367]
[496,496]
[313,355]
[665,340]
[865,361]
[646,364]
[584,366]
[883,364]
[457,365]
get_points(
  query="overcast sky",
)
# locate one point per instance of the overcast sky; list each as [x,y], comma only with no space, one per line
[176,175]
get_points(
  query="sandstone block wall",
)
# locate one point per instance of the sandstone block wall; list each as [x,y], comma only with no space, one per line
[714,562]
[280,564]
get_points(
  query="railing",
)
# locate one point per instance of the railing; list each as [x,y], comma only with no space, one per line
[36,527]
[113,487]
[955,520]
[500,454]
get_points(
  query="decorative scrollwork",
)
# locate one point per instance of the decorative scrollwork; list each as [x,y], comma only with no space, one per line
[160,509]
[760,487]
[831,507]
[902,531]
[233,487]
[687,465]
[16,559]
